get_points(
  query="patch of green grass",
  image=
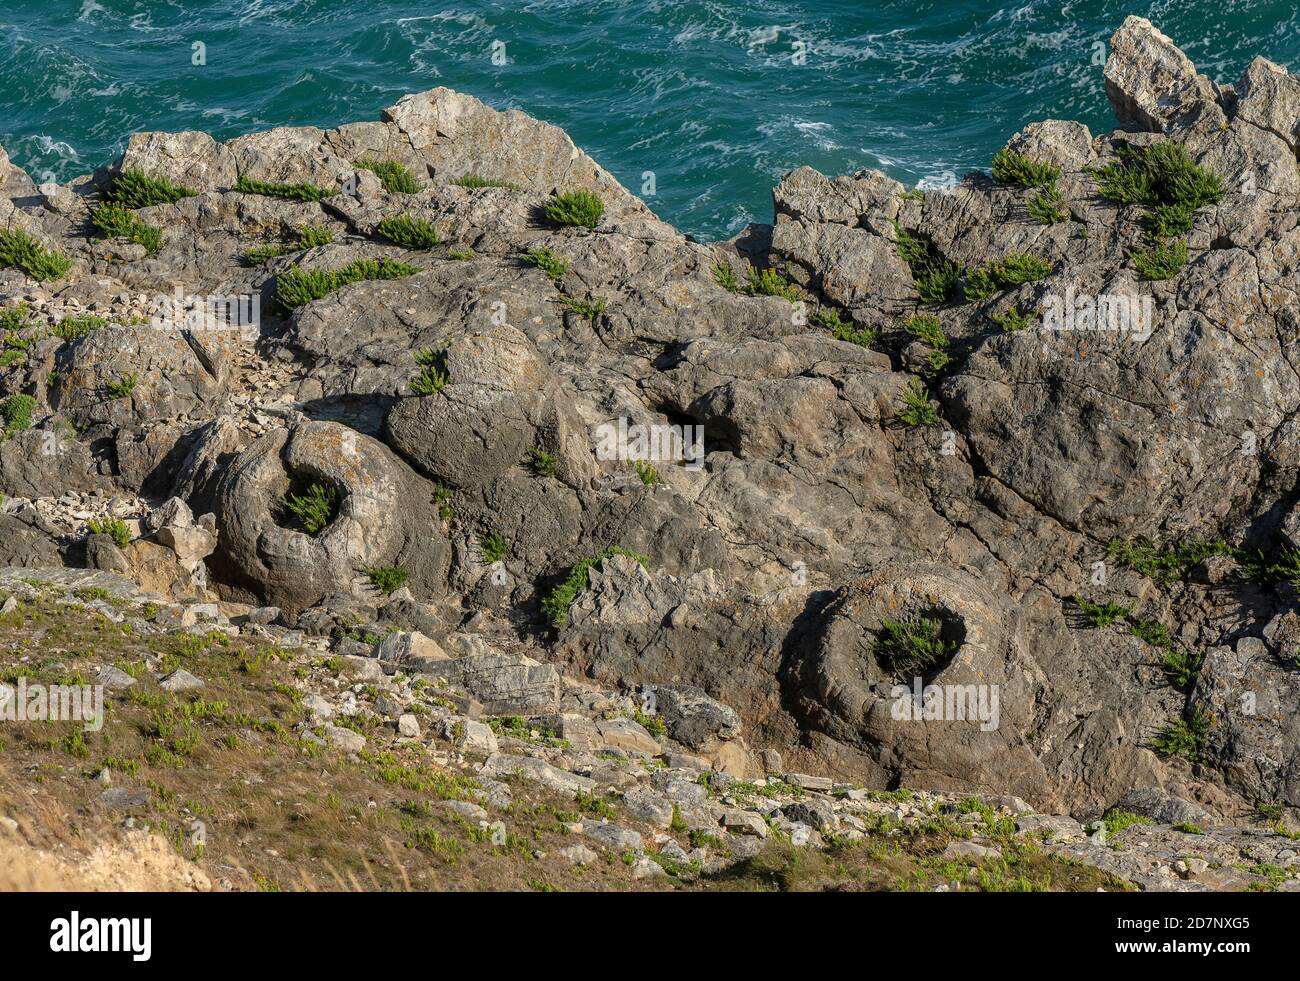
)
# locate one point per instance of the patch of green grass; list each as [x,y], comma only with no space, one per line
[769,282]
[114,220]
[725,276]
[313,510]
[556,603]
[460,255]
[121,388]
[135,189]
[289,192]
[1160,261]
[309,237]
[828,318]
[913,646]
[646,471]
[410,233]
[581,209]
[936,278]
[493,546]
[1117,821]
[1100,614]
[1182,667]
[72,328]
[1013,320]
[1188,828]
[17,411]
[1047,207]
[475,181]
[1011,167]
[18,250]
[543,464]
[114,528]
[917,409]
[589,308]
[1184,737]
[1160,174]
[926,328]
[298,287]
[547,261]
[388,579]
[396,178]
[1164,564]
[433,376]
[1170,220]
[1011,270]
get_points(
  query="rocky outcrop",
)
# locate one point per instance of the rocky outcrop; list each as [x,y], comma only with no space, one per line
[798,460]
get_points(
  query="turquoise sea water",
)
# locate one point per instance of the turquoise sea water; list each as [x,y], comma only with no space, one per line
[707,95]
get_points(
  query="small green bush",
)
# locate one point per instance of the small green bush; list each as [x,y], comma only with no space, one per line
[17,412]
[460,255]
[433,375]
[917,409]
[388,579]
[313,510]
[556,603]
[589,308]
[725,276]
[396,178]
[547,261]
[646,471]
[543,464]
[1013,320]
[135,189]
[829,319]
[493,546]
[71,328]
[113,528]
[309,237]
[1100,614]
[1013,168]
[914,646]
[1047,207]
[1185,737]
[297,287]
[1011,270]
[1160,174]
[122,387]
[769,282]
[1160,261]
[291,192]
[113,220]
[936,278]
[18,250]
[576,208]
[410,233]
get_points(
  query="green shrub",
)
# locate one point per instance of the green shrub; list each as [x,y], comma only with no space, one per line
[291,192]
[1185,737]
[313,236]
[313,510]
[828,318]
[17,411]
[577,208]
[410,233]
[917,409]
[589,308]
[1013,320]
[646,471]
[388,579]
[544,464]
[1011,270]
[926,327]
[18,250]
[1100,614]
[122,387]
[1165,565]
[1160,174]
[475,181]
[936,278]
[1117,821]
[1047,207]
[134,189]
[396,178]
[493,546]
[433,375]
[1182,667]
[769,282]
[309,237]
[547,261]
[1013,168]
[725,276]
[460,255]
[556,603]
[71,328]
[297,287]
[914,646]
[113,220]
[1160,261]
[113,528]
